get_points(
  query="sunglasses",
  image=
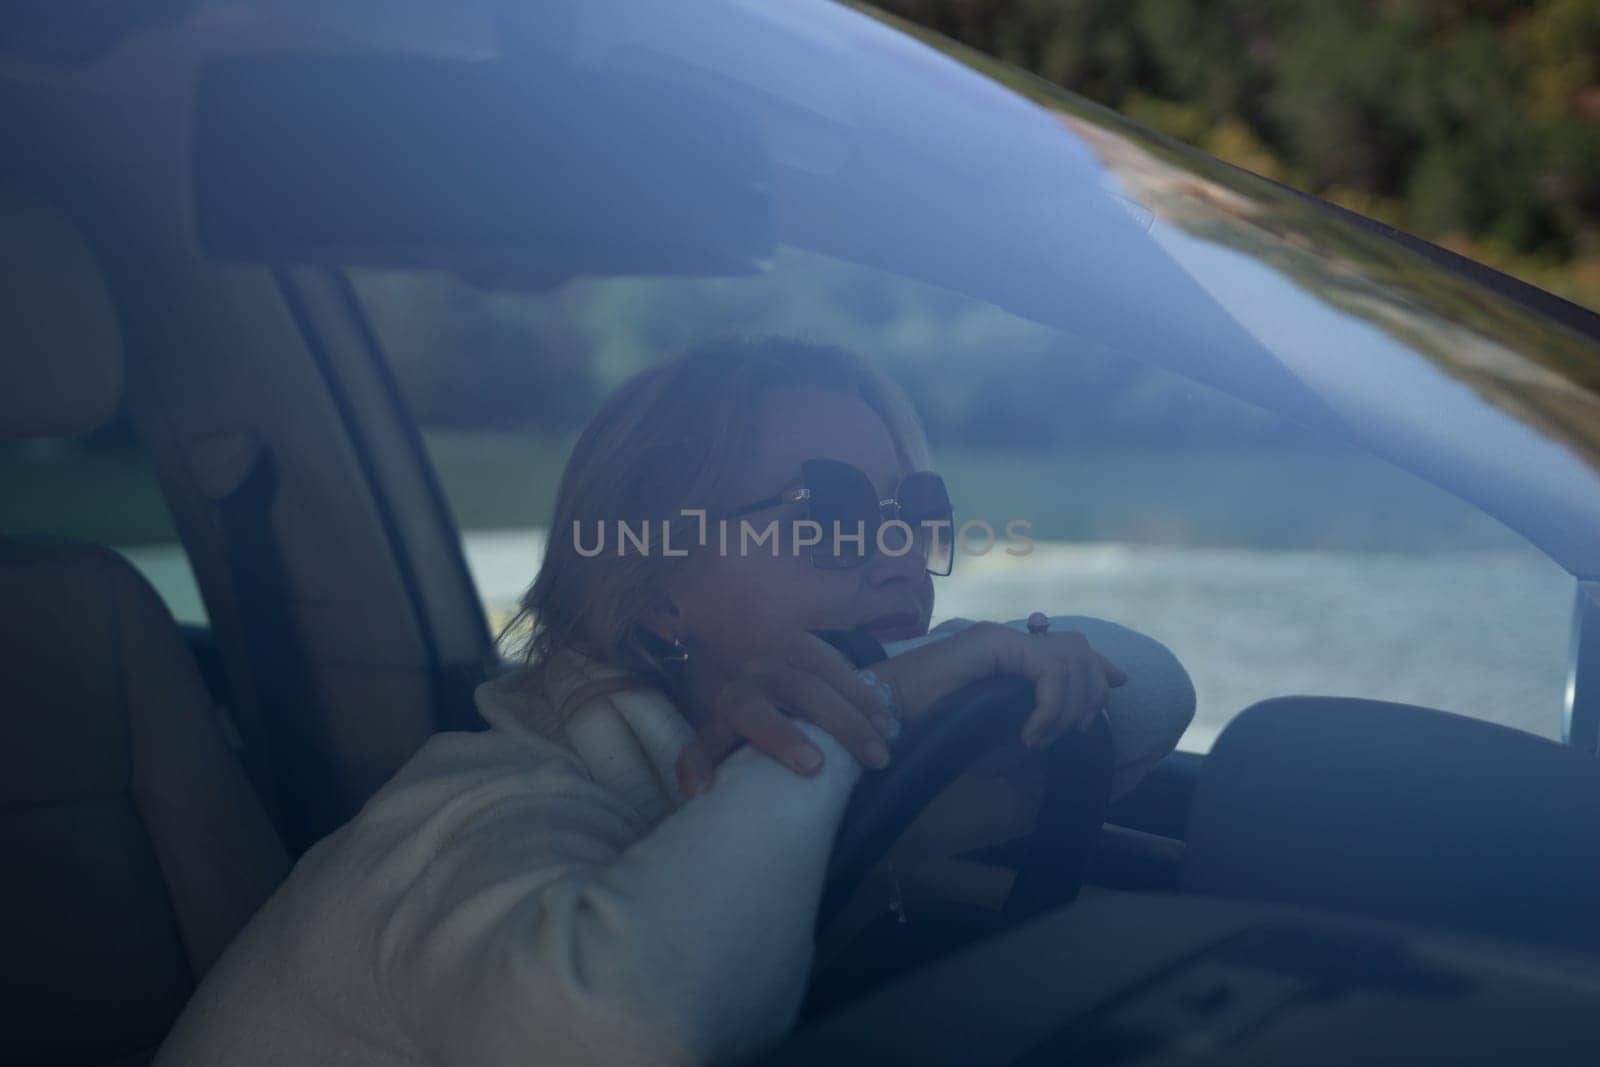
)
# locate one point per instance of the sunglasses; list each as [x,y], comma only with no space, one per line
[842,501]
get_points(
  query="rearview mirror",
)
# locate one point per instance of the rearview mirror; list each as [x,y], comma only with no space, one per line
[529,171]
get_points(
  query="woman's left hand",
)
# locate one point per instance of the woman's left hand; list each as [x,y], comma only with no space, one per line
[1071,681]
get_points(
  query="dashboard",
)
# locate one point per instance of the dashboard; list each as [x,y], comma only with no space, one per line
[1143,978]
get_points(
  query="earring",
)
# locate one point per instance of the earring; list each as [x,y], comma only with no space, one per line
[679,655]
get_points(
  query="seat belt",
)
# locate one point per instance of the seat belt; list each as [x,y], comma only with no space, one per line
[271,647]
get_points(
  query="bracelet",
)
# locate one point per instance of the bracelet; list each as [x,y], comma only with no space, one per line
[886,699]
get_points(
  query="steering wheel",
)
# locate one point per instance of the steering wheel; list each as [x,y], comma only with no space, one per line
[958,730]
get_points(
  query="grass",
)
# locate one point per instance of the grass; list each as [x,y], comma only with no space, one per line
[1327,500]
[58,489]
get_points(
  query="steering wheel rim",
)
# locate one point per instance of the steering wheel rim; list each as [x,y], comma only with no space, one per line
[960,729]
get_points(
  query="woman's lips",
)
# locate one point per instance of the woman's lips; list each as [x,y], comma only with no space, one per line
[897,626]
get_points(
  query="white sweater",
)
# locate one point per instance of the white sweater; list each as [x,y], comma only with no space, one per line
[541,894]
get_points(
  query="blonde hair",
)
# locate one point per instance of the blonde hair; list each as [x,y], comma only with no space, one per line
[670,438]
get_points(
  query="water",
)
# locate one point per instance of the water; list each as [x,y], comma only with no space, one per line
[1481,632]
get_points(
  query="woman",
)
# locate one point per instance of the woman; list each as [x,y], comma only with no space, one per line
[625,867]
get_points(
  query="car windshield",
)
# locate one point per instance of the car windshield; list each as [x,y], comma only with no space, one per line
[1305,457]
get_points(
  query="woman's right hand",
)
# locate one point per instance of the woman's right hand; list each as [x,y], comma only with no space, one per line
[802,677]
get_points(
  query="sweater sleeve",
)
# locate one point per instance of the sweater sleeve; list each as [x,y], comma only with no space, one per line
[545,930]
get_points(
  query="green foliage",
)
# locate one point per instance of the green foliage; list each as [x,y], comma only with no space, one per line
[536,362]
[445,339]
[1475,123]
[1454,120]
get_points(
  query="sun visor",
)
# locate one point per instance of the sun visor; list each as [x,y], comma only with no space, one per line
[533,172]
[894,156]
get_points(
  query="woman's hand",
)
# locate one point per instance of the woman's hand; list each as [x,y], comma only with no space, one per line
[1070,680]
[802,678]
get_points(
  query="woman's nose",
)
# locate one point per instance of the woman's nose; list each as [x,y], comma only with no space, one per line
[907,564]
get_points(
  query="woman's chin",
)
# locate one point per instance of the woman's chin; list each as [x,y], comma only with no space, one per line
[897,628]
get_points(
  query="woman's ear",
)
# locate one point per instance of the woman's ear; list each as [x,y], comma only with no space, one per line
[662,619]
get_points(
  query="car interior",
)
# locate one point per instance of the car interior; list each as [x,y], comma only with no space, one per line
[1338,877]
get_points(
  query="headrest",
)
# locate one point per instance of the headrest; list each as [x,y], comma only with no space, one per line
[60,349]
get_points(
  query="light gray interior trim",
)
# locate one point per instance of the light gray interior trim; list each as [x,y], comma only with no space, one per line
[1580,715]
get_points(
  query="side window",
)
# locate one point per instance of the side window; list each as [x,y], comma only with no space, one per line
[1271,561]
[99,487]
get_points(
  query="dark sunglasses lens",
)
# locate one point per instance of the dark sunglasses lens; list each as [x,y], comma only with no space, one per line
[925,506]
[923,496]
[844,504]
